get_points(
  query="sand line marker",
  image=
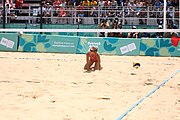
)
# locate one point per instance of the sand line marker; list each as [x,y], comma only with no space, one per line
[141,100]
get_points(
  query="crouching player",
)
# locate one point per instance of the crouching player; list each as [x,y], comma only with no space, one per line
[92,57]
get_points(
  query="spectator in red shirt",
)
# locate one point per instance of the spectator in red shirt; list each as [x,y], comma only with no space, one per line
[56,5]
[62,14]
[18,5]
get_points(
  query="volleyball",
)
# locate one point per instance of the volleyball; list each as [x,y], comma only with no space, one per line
[136,65]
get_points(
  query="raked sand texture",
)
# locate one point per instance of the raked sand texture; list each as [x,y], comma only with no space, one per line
[49,86]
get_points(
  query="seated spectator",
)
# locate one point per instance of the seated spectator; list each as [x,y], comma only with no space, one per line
[18,5]
[117,24]
[114,4]
[129,10]
[157,4]
[111,15]
[167,35]
[9,2]
[104,24]
[80,13]
[174,34]
[47,14]
[94,14]
[77,2]
[49,2]
[175,3]
[93,3]
[145,34]
[121,2]
[63,3]
[169,3]
[142,15]
[152,14]
[133,34]
[107,4]
[10,13]
[101,4]
[62,14]
[70,3]
[69,14]
[39,13]
[86,3]
[56,6]
[158,34]
[160,14]
[101,7]
[169,15]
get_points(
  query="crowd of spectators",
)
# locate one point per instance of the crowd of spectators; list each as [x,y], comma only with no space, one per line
[107,8]
[112,13]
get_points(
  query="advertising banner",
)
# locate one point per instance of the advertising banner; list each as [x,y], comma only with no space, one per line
[8,41]
[158,47]
[111,46]
[47,43]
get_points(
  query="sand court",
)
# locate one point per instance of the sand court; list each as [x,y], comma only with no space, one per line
[52,86]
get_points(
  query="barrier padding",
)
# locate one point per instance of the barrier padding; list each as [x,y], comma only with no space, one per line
[47,43]
[111,46]
[106,45]
[158,47]
[8,41]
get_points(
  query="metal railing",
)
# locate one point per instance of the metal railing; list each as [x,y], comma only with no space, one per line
[125,15]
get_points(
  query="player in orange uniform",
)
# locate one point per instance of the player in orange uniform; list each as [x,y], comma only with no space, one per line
[92,57]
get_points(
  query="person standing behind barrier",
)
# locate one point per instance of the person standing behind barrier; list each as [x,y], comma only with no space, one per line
[77,2]
[39,13]
[69,14]
[61,15]
[107,4]
[133,34]
[104,24]
[63,3]
[117,24]
[10,2]
[114,4]
[80,13]
[48,12]
[101,4]
[92,57]
[94,14]
[93,3]
[56,5]
[86,4]
[18,5]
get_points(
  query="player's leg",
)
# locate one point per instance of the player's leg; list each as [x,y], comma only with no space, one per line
[88,65]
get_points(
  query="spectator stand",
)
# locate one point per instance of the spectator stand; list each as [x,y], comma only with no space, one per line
[135,13]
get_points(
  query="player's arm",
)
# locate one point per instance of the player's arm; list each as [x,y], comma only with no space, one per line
[87,57]
[99,59]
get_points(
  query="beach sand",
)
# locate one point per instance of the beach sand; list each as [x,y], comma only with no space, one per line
[52,86]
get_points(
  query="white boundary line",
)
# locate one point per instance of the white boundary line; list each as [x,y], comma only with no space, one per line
[150,93]
[90,30]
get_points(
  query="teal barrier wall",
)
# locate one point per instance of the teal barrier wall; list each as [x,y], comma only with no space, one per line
[111,46]
[8,41]
[47,43]
[57,26]
[81,45]
[158,47]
